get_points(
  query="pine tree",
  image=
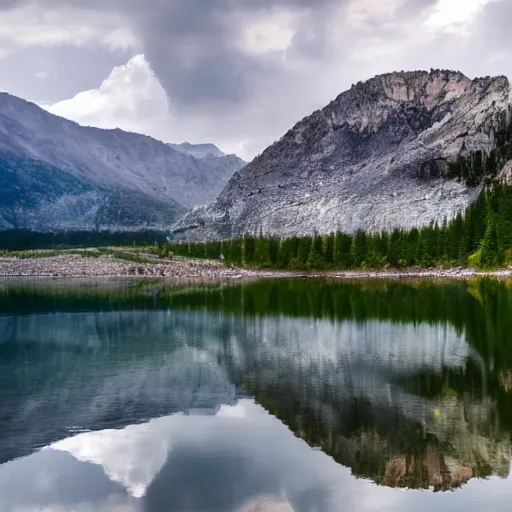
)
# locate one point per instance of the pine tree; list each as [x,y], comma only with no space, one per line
[288,253]
[374,258]
[398,249]
[359,249]
[304,249]
[343,251]
[475,224]
[316,259]
[328,250]
[274,244]
[413,240]
[454,239]
[489,245]
[248,250]
[504,217]
[436,256]
[423,258]
[261,253]
[384,245]
[235,253]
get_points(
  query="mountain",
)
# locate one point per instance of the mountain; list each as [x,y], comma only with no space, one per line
[41,197]
[377,157]
[56,174]
[198,150]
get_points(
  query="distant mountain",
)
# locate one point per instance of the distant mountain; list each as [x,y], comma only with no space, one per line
[56,174]
[40,197]
[198,150]
[379,156]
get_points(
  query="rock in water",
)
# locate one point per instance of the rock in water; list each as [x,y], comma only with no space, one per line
[375,158]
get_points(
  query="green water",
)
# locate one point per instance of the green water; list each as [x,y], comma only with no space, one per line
[312,395]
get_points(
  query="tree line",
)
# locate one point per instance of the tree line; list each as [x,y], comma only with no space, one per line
[19,240]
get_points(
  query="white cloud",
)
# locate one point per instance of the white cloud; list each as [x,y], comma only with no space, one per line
[454,15]
[130,98]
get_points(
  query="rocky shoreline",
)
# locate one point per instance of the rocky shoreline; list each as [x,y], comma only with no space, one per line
[186,270]
[430,273]
[70,265]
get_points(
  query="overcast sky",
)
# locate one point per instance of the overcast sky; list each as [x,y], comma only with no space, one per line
[238,73]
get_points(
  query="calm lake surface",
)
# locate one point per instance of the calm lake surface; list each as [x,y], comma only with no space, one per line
[301,395]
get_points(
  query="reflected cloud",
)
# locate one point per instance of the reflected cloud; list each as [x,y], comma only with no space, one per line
[131,456]
[134,455]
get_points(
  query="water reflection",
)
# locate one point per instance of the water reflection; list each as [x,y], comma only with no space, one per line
[403,385]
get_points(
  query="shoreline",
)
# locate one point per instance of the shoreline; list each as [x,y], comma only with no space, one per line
[187,270]
[75,266]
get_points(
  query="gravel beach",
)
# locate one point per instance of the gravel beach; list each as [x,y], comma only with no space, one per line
[186,270]
[80,266]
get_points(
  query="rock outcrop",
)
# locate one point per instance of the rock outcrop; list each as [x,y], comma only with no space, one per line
[377,157]
[505,174]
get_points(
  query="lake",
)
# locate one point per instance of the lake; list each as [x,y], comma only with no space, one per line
[278,395]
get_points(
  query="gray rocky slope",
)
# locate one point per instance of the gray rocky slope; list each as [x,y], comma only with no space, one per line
[365,161]
[56,174]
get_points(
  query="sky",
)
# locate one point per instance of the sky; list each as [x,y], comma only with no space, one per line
[238,73]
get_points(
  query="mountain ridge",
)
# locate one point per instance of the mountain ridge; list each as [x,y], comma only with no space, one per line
[156,176]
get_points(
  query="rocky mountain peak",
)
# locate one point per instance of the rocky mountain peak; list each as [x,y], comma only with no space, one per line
[424,87]
[428,89]
[376,157]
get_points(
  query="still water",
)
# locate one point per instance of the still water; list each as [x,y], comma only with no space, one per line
[303,395]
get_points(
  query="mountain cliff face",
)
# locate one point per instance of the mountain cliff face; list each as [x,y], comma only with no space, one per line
[57,174]
[377,157]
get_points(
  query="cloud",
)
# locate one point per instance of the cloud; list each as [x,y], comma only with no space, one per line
[453,15]
[268,32]
[130,98]
[132,456]
[362,13]
[29,24]
[240,73]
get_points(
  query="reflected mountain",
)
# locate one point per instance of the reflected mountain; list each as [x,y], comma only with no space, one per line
[407,384]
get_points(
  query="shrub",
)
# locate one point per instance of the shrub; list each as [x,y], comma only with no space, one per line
[475,259]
